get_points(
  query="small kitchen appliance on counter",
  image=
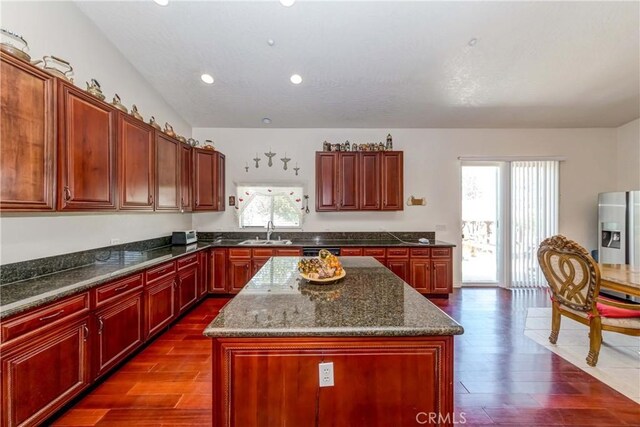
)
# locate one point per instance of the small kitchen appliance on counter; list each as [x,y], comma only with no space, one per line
[184,237]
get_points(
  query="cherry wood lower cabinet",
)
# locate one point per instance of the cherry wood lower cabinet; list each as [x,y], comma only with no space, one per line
[159,305]
[42,373]
[217,271]
[377,381]
[429,270]
[187,292]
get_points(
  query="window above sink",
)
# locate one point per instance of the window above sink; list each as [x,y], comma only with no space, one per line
[257,204]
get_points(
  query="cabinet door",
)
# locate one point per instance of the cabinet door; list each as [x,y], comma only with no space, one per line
[239,274]
[256,265]
[159,305]
[186,178]
[86,151]
[370,181]
[44,373]
[399,267]
[326,181]
[441,279]
[187,287]
[203,270]
[120,331]
[420,275]
[136,163]
[27,138]
[218,271]
[167,173]
[348,177]
[220,181]
[392,181]
[205,171]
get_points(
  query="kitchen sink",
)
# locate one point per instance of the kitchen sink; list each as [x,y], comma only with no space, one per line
[254,242]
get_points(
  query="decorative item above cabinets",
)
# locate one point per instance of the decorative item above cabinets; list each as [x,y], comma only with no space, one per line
[360,181]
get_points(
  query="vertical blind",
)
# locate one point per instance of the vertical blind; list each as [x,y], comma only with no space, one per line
[534,217]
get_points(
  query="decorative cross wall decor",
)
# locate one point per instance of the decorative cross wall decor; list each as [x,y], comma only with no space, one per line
[285,160]
[270,155]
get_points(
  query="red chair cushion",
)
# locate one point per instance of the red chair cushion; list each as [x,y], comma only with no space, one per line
[615,312]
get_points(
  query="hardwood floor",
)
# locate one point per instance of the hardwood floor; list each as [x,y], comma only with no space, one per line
[502,377]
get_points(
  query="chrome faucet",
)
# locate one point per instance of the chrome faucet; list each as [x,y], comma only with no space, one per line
[270,228]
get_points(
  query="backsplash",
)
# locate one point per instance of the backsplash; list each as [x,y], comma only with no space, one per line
[14,272]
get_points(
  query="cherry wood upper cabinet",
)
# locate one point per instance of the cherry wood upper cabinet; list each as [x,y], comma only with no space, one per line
[136,163]
[370,181]
[326,181]
[348,177]
[186,178]
[205,171]
[167,173]
[208,180]
[392,181]
[27,140]
[221,180]
[86,151]
[359,181]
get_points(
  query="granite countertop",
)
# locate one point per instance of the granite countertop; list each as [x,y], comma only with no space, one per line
[369,301]
[20,296]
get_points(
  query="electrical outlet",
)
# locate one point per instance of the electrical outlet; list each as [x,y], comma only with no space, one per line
[115,241]
[326,374]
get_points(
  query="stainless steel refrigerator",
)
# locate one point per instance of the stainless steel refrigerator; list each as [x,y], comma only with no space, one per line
[619,232]
[619,227]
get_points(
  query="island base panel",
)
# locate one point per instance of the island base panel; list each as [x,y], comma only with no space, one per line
[378,381]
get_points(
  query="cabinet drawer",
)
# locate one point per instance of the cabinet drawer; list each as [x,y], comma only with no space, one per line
[374,252]
[114,290]
[44,316]
[187,261]
[397,252]
[239,253]
[440,252]
[350,251]
[161,271]
[262,253]
[422,252]
[289,252]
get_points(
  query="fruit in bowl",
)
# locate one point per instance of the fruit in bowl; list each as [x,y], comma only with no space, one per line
[326,266]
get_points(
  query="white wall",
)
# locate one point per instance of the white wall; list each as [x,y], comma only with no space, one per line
[431,170]
[628,151]
[61,29]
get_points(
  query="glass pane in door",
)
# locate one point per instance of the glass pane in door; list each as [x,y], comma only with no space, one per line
[479,223]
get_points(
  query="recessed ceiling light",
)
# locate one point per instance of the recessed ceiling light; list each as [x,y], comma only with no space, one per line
[296,79]
[473,42]
[161,2]
[266,121]
[271,42]
[287,3]
[207,78]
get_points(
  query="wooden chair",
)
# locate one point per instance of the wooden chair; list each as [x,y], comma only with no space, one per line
[574,281]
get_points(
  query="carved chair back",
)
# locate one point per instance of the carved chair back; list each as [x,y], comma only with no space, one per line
[573,276]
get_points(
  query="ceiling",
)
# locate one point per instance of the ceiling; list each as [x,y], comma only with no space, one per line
[385,64]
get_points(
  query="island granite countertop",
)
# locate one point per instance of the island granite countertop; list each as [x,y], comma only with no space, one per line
[369,301]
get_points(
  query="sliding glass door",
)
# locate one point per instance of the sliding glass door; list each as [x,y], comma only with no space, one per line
[508,208]
[480,219]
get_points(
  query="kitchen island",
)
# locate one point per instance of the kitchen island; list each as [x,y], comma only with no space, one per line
[391,350]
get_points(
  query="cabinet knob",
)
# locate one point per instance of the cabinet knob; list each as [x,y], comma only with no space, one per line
[100,325]
[197,203]
[150,199]
[86,332]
